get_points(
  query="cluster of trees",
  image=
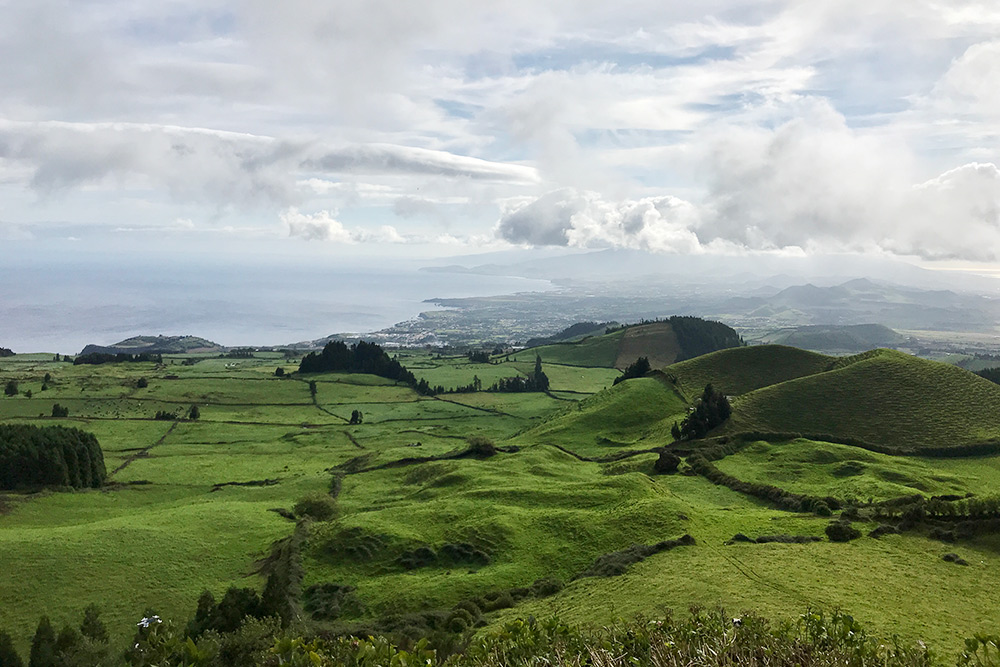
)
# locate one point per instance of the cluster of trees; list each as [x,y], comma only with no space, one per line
[6,352]
[712,409]
[72,647]
[697,336]
[239,353]
[537,381]
[361,357]
[479,357]
[59,410]
[357,416]
[636,369]
[991,374]
[33,456]
[96,358]
[10,389]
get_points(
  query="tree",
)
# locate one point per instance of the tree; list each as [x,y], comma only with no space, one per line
[279,372]
[194,413]
[142,383]
[10,389]
[312,388]
[357,417]
[712,409]
[59,410]
[67,642]
[9,656]
[667,462]
[43,645]
[92,626]
[540,378]
[636,369]
[48,377]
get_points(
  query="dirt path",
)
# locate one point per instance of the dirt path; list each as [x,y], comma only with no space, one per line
[142,453]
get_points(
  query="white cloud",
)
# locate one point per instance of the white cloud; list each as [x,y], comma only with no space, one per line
[319,226]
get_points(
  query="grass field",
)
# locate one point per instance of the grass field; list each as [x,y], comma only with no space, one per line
[179,517]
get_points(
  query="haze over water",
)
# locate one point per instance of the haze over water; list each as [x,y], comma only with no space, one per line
[62,308]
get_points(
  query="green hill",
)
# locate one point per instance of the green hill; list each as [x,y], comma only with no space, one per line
[882,397]
[633,414]
[835,338]
[156,345]
[663,343]
[740,370]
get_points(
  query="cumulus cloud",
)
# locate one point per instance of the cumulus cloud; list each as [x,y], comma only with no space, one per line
[812,184]
[323,226]
[568,217]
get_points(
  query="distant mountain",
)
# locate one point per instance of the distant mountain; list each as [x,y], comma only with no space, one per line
[156,345]
[838,338]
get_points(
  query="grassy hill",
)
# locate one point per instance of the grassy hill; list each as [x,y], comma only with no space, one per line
[834,338]
[662,342]
[156,345]
[882,397]
[740,370]
[634,414]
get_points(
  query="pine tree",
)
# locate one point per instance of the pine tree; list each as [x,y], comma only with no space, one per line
[43,645]
[8,654]
[92,626]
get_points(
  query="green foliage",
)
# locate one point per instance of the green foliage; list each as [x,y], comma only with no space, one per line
[141,383]
[6,352]
[10,389]
[636,369]
[666,462]
[318,506]
[279,372]
[43,645]
[481,447]
[362,357]
[739,370]
[710,411]
[9,657]
[194,413]
[49,456]
[841,531]
[59,410]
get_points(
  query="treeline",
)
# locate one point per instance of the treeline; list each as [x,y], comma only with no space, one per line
[537,381]
[6,352]
[96,358]
[991,374]
[697,336]
[31,456]
[361,357]
[636,369]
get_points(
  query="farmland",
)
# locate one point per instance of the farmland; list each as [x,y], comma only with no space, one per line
[425,524]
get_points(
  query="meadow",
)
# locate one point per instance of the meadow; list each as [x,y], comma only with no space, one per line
[570,494]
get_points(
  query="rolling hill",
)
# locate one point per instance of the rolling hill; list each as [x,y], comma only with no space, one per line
[156,345]
[838,338]
[662,342]
[882,397]
[740,370]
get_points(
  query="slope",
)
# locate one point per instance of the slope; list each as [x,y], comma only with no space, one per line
[662,342]
[885,398]
[740,370]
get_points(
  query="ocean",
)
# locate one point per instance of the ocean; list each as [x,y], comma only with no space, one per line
[63,306]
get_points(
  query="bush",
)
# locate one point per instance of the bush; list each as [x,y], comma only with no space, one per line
[481,447]
[59,411]
[318,506]
[667,462]
[883,529]
[842,531]
[142,383]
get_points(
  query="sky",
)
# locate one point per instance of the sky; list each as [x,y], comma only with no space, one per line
[381,128]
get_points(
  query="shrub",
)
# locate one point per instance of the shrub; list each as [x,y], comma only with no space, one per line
[481,447]
[954,558]
[318,506]
[883,529]
[142,383]
[329,601]
[667,462]
[842,531]
[545,587]
[59,410]
[10,389]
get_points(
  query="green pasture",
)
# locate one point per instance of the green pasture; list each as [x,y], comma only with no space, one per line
[180,517]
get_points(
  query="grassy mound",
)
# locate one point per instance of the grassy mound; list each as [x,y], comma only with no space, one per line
[634,414]
[596,351]
[739,370]
[885,398]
